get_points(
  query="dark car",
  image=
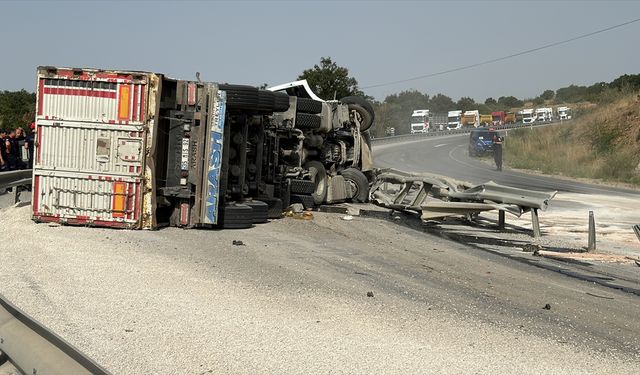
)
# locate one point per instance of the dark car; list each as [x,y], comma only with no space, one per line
[481,141]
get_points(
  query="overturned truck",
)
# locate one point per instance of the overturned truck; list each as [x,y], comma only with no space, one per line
[140,150]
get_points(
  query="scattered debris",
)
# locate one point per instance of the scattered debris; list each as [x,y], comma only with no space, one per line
[595,295]
[547,307]
[128,330]
[536,253]
[531,248]
[237,243]
[296,208]
[637,263]
[347,218]
[369,294]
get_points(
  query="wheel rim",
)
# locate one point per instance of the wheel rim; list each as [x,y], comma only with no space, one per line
[354,187]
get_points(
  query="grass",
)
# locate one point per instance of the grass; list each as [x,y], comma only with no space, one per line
[603,143]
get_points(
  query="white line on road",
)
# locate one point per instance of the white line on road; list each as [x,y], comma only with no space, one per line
[440,145]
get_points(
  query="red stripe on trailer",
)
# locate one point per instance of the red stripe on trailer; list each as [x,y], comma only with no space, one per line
[142,108]
[136,210]
[130,201]
[40,94]
[39,145]
[36,194]
[80,92]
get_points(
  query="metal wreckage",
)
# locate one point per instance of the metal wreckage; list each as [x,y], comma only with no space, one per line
[141,150]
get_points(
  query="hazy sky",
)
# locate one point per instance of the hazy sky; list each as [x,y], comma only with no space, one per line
[272,42]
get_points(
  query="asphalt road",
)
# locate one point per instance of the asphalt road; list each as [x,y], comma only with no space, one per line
[448,156]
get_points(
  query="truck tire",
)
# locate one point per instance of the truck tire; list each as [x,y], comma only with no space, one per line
[237,216]
[281,102]
[266,101]
[241,97]
[275,207]
[364,109]
[308,121]
[359,184]
[319,178]
[303,187]
[260,211]
[309,106]
[307,201]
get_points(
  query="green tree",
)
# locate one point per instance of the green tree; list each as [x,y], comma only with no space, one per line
[329,81]
[508,102]
[466,103]
[547,95]
[441,103]
[17,108]
[490,102]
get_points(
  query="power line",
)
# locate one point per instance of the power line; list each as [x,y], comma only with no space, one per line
[503,57]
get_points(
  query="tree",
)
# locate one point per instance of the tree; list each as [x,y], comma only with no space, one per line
[441,103]
[17,108]
[466,103]
[547,95]
[508,102]
[490,102]
[329,81]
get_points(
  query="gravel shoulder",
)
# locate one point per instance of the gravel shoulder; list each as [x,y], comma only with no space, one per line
[293,299]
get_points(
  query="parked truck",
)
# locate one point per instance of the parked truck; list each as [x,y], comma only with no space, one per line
[471,118]
[438,121]
[420,121]
[564,113]
[454,120]
[528,116]
[544,114]
[510,118]
[486,120]
[141,150]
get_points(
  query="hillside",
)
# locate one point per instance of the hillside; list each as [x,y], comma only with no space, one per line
[603,143]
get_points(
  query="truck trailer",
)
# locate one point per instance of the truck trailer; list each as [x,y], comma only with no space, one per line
[471,118]
[141,150]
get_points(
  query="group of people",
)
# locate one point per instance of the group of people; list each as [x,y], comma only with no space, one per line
[16,149]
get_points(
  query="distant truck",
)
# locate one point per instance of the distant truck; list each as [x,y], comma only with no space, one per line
[498,118]
[544,114]
[564,113]
[420,121]
[437,121]
[486,120]
[454,120]
[140,150]
[471,118]
[528,116]
[510,118]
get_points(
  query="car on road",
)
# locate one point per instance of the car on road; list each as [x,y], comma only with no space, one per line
[481,141]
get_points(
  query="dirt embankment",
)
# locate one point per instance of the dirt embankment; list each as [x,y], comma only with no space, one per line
[602,144]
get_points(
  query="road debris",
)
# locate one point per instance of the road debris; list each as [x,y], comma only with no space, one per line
[237,243]
[595,295]
[547,307]
[347,218]
[531,248]
[369,294]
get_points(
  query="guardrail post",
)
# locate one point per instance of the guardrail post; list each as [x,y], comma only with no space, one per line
[535,223]
[501,219]
[16,194]
[592,232]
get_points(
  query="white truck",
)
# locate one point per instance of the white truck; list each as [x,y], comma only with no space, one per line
[544,114]
[528,116]
[564,113]
[454,120]
[420,121]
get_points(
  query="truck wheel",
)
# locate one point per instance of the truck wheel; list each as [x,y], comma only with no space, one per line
[364,109]
[359,184]
[237,216]
[266,101]
[241,97]
[275,207]
[308,121]
[281,102]
[309,106]
[260,211]
[303,186]
[319,178]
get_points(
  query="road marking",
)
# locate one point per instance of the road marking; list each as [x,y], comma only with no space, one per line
[440,145]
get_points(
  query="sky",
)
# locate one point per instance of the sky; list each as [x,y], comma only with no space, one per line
[255,42]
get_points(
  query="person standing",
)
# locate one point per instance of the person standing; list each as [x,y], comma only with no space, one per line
[497,151]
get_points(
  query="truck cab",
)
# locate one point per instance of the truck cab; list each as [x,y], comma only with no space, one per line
[498,118]
[420,121]
[564,113]
[454,120]
[528,116]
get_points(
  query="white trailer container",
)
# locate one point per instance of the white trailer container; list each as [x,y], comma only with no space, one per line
[92,129]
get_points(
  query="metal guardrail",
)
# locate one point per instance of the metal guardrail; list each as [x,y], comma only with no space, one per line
[33,349]
[439,133]
[17,180]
